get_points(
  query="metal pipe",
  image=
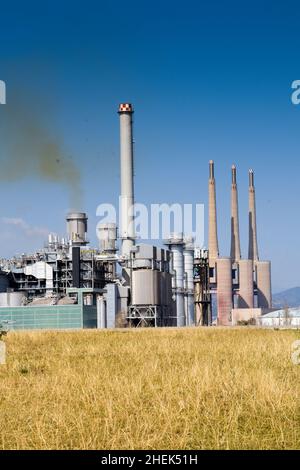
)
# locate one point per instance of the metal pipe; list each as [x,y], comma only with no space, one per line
[101,313]
[175,244]
[188,254]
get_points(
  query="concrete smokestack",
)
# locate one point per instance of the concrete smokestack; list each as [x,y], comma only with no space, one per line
[263,281]
[235,252]
[246,294]
[127,192]
[224,291]
[212,215]
[253,249]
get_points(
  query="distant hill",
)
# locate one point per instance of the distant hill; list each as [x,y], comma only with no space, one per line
[289,297]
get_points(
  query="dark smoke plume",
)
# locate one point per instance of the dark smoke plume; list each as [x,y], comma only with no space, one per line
[28,148]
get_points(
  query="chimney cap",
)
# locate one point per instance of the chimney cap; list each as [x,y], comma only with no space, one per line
[125,108]
[211,169]
[251,178]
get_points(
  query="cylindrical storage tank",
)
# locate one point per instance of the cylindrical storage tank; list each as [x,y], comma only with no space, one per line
[146,287]
[101,313]
[246,293]
[224,290]
[263,281]
[77,227]
[107,234]
[12,299]
[188,254]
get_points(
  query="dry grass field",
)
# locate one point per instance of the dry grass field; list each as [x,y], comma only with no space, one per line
[150,389]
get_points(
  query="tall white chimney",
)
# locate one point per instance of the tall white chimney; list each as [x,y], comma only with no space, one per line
[127,232]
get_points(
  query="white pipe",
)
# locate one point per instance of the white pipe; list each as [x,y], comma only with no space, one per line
[188,254]
[177,250]
[101,313]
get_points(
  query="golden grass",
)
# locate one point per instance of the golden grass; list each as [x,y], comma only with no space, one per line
[150,389]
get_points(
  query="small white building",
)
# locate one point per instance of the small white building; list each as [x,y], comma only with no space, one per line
[286,317]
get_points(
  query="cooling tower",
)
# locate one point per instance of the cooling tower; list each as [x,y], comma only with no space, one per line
[224,290]
[127,234]
[246,293]
[263,281]
[212,215]
[253,249]
[235,251]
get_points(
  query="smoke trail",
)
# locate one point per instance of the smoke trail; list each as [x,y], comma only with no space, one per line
[28,149]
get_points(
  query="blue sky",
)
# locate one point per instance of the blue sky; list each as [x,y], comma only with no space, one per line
[208,81]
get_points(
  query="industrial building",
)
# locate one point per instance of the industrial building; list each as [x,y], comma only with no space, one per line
[284,318]
[69,284]
[242,286]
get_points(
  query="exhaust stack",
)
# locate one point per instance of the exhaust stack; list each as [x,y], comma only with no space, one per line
[77,228]
[235,252]
[213,246]
[127,232]
[253,249]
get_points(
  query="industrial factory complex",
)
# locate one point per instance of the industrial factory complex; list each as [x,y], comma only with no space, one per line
[69,284]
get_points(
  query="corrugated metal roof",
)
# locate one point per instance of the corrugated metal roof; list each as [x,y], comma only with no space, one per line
[290,312]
